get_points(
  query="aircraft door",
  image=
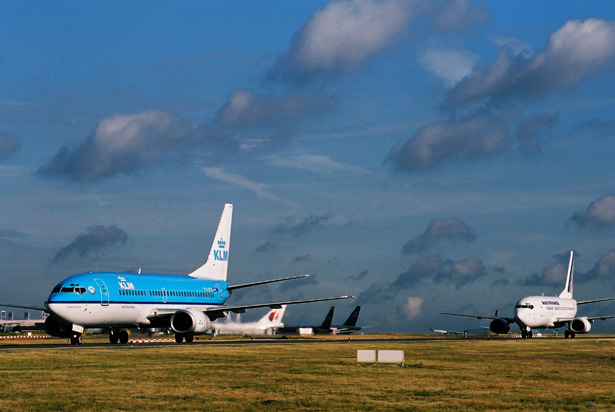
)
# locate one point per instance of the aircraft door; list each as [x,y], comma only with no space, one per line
[164,295]
[104,292]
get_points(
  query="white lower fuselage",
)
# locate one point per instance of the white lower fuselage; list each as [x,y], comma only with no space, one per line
[544,311]
[119,315]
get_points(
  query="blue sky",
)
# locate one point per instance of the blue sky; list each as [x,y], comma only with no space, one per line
[423,156]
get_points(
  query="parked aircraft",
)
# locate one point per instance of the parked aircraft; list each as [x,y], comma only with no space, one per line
[266,325]
[187,304]
[542,312]
[326,328]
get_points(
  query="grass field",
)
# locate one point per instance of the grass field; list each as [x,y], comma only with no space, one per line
[458,375]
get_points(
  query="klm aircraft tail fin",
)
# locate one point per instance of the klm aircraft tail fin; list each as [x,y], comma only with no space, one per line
[216,266]
[567,292]
[273,317]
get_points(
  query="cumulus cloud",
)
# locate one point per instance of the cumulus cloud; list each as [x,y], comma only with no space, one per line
[128,143]
[96,239]
[438,229]
[247,109]
[605,267]
[412,307]
[599,213]
[552,275]
[121,144]
[9,145]
[342,36]
[477,137]
[440,270]
[576,50]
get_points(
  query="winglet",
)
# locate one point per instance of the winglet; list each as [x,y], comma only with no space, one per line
[567,292]
[216,266]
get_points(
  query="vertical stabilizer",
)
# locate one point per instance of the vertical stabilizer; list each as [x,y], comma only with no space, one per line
[272,318]
[354,316]
[326,324]
[567,292]
[216,266]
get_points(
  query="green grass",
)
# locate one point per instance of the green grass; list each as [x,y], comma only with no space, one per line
[503,374]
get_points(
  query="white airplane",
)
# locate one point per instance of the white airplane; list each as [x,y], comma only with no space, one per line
[187,304]
[483,330]
[546,312]
[266,325]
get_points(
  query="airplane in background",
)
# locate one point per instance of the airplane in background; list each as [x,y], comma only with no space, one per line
[267,325]
[484,330]
[546,312]
[187,304]
[326,328]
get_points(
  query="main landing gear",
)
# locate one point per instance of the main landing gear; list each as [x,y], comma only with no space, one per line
[116,335]
[526,334]
[569,334]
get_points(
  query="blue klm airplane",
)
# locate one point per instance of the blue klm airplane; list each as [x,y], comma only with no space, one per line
[187,304]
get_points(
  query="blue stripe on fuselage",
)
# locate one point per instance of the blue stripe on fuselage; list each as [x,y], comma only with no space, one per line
[108,287]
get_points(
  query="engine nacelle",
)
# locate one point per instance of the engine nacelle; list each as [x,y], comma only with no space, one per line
[55,328]
[580,325]
[188,322]
[499,326]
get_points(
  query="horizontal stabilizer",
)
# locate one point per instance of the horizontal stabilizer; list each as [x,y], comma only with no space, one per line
[263,282]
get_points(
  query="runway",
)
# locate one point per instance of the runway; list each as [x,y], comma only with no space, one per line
[97,343]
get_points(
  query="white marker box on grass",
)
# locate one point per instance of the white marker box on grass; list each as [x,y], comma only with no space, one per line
[367,356]
[391,356]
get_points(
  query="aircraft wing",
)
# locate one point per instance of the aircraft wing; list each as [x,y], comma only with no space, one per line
[592,318]
[161,316]
[30,307]
[219,311]
[509,320]
[594,301]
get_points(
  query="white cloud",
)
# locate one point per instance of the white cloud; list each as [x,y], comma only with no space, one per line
[412,307]
[448,64]
[342,36]
[315,163]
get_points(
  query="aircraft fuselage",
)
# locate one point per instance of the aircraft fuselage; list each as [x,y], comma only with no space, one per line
[109,299]
[544,311]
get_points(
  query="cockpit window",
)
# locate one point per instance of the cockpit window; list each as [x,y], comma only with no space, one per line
[80,290]
[524,306]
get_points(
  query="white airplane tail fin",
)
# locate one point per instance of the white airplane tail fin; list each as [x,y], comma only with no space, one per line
[567,292]
[216,266]
[272,318]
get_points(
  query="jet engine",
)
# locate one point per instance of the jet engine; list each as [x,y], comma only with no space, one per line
[188,322]
[580,325]
[55,328]
[499,326]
